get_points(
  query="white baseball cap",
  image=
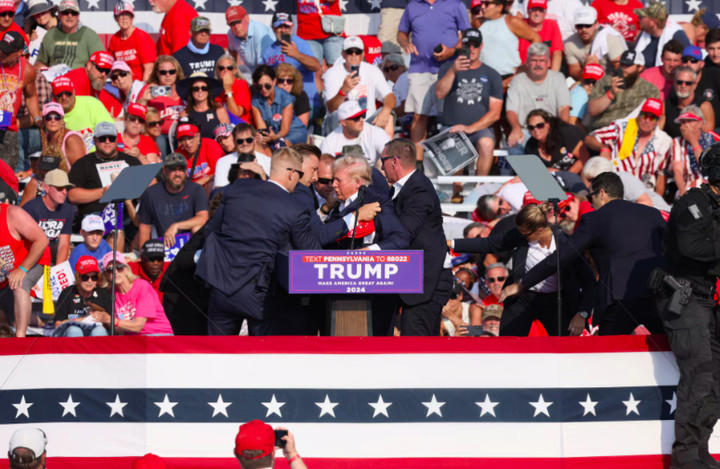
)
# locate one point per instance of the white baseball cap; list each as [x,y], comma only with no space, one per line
[585,15]
[30,438]
[350,109]
[353,42]
[92,223]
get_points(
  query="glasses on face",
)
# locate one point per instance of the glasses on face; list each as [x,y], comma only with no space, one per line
[86,277]
[106,138]
[536,10]
[648,116]
[325,181]
[153,124]
[52,117]
[592,194]
[64,94]
[244,141]
[167,72]
[222,68]
[390,68]
[357,118]
[118,267]
[385,158]
[195,89]
[154,259]
[539,125]
[583,26]
[299,173]
[589,81]
[288,81]
[119,74]
[691,60]
[496,279]
[354,51]
[102,70]
[7,14]
[136,119]
[69,12]
[683,82]
[177,167]
[267,86]
[476,10]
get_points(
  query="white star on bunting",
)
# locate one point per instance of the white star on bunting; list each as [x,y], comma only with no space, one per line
[23,407]
[200,4]
[219,406]
[380,407]
[343,5]
[631,405]
[588,406]
[273,407]
[693,5]
[93,4]
[327,407]
[270,4]
[234,3]
[375,4]
[487,406]
[541,407]
[166,407]
[672,403]
[69,406]
[433,407]
[117,406]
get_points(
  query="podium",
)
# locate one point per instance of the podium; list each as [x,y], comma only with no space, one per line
[355,275]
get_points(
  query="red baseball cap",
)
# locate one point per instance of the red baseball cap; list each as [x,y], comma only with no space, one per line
[7,5]
[255,435]
[688,116]
[86,264]
[235,14]
[137,109]
[149,461]
[186,130]
[102,59]
[592,72]
[61,84]
[537,4]
[652,106]
[475,3]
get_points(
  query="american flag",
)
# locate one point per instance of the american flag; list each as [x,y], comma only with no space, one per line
[390,402]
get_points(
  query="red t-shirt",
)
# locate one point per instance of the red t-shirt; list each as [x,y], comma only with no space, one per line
[136,50]
[146,145]
[210,153]
[309,24]
[169,108]
[175,28]
[550,32]
[11,89]
[620,17]
[8,176]
[80,79]
[241,95]
[15,27]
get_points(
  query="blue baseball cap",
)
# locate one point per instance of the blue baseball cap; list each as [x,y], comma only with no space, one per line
[692,51]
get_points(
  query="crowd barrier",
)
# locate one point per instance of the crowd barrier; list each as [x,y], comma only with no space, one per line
[594,402]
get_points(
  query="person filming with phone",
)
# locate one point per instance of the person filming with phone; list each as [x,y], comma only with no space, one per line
[255,445]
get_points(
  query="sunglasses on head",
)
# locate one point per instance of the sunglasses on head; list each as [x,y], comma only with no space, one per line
[69,12]
[324,181]
[391,68]
[684,82]
[691,60]
[167,72]
[52,117]
[153,123]
[583,26]
[195,89]
[539,125]
[288,81]
[86,277]
[66,94]
[354,51]
[118,74]
[243,141]
[222,68]
[496,279]
[107,138]
[102,70]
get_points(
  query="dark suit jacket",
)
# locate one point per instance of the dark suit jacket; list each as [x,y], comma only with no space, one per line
[389,232]
[418,208]
[625,240]
[255,222]
[326,233]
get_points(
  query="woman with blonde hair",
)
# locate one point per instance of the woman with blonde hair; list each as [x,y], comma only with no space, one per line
[161,94]
[59,141]
[235,95]
[290,80]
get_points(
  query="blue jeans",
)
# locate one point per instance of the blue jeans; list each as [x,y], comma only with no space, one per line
[330,48]
[29,142]
[70,329]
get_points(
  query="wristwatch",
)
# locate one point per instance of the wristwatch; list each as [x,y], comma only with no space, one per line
[229,94]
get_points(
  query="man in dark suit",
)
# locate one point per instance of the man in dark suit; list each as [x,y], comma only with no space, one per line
[625,240]
[418,208]
[256,222]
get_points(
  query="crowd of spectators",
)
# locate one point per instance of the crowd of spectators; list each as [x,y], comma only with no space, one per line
[614,86]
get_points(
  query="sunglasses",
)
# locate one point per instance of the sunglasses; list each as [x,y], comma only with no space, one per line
[540,125]
[7,14]
[52,117]
[583,26]
[324,181]
[119,268]
[135,119]
[86,277]
[195,89]
[153,124]
[537,9]
[385,158]
[476,10]
[154,259]
[66,94]
[288,81]
[390,68]
[267,86]
[691,60]
[354,51]
[683,82]
[177,167]
[69,12]
[357,118]
[102,70]
[167,72]
[243,141]
[589,81]
[648,116]
[106,138]
[299,173]
[117,75]
[496,279]
[222,68]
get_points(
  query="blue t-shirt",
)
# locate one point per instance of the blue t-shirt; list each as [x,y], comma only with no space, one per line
[53,223]
[272,114]
[578,102]
[273,55]
[82,250]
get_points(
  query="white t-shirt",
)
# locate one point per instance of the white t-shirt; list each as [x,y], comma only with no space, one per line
[223,166]
[372,86]
[400,88]
[536,254]
[372,139]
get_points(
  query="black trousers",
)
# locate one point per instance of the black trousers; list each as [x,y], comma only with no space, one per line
[693,338]
[520,312]
[423,319]
[623,316]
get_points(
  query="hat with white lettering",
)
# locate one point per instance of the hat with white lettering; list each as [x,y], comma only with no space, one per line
[492,311]
[652,106]
[71,5]
[62,84]
[153,248]
[92,223]
[58,178]
[7,5]
[353,42]
[200,23]
[12,41]
[280,18]
[86,264]
[108,259]
[53,108]
[631,57]
[102,59]
[137,110]
[104,129]
[121,65]
[593,72]
[350,110]
[123,6]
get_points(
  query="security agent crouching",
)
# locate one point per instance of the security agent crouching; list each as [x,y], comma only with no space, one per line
[689,314]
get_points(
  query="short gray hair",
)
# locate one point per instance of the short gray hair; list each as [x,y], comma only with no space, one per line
[538,49]
[356,165]
[497,265]
[597,165]
[684,69]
